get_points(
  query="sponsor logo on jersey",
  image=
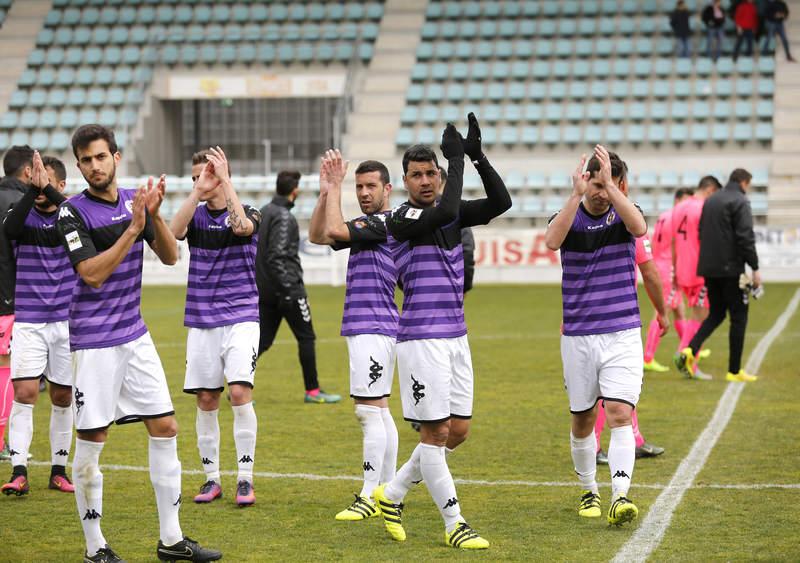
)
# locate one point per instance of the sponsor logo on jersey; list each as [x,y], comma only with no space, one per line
[73,240]
[129,205]
[413,213]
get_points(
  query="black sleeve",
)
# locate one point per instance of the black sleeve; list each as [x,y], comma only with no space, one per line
[55,196]
[468,246]
[14,222]
[277,250]
[407,222]
[496,202]
[743,233]
[254,215]
[74,235]
[371,228]
[149,232]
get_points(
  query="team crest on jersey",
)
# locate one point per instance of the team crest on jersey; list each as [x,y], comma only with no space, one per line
[227,220]
[129,205]
[611,217]
[359,224]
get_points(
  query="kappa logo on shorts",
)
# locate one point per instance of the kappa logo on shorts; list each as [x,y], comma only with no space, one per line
[375,371]
[368,466]
[78,399]
[253,361]
[207,461]
[417,389]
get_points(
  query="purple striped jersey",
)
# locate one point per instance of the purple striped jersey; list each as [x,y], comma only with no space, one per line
[109,315]
[598,283]
[221,289]
[45,278]
[431,270]
[369,306]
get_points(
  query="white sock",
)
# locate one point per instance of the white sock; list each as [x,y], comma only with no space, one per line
[389,468]
[88,483]
[584,457]
[245,426]
[621,456]
[407,476]
[436,474]
[20,432]
[374,446]
[60,434]
[165,475]
[207,424]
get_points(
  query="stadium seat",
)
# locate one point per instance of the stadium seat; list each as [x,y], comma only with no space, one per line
[635,133]
[551,135]
[743,109]
[742,132]
[720,132]
[404,137]
[764,109]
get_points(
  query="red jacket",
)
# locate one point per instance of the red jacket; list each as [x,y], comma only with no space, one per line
[746,16]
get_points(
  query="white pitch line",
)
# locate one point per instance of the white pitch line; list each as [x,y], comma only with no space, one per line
[649,534]
[481,482]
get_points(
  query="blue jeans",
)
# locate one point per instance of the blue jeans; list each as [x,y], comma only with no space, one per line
[747,37]
[772,29]
[714,37]
[683,47]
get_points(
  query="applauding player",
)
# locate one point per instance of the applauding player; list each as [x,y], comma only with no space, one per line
[435,366]
[222,316]
[370,313]
[118,376]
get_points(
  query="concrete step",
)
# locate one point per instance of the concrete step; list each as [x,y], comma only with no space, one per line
[389,84]
[379,149]
[380,127]
[403,22]
[394,62]
[381,103]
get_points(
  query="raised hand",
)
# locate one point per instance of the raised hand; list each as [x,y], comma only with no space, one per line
[580,179]
[154,195]
[207,180]
[137,211]
[452,143]
[324,176]
[472,144]
[39,177]
[604,174]
[220,162]
[337,166]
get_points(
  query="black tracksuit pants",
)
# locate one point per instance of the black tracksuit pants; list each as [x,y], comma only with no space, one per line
[725,297]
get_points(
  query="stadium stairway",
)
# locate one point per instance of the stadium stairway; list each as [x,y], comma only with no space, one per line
[784,182]
[17,39]
[380,99]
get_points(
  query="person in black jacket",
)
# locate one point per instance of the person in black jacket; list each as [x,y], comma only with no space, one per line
[727,243]
[679,22]
[714,19]
[18,170]
[775,13]
[279,276]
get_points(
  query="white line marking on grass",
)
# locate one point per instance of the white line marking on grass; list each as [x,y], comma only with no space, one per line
[649,534]
[481,482]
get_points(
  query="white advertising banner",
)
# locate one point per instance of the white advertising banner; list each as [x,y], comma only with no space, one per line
[264,85]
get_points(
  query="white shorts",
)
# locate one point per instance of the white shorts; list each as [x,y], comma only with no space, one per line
[436,380]
[216,354]
[371,365]
[121,384]
[42,348]
[602,366]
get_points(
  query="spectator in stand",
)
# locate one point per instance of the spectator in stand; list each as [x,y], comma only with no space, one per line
[679,22]
[746,18]
[775,13]
[714,19]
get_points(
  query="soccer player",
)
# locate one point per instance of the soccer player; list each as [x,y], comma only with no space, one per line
[435,366]
[661,244]
[601,344]
[727,243]
[685,254]
[18,169]
[221,315]
[370,315]
[281,291]
[118,376]
[45,280]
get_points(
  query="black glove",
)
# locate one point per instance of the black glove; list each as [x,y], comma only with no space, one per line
[452,143]
[472,144]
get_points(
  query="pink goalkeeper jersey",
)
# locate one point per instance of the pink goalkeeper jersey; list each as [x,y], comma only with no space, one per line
[686,234]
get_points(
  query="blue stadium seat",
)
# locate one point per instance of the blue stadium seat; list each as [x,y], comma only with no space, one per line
[541,69]
[638,111]
[704,67]
[509,136]
[619,90]
[28,119]
[635,133]
[766,87]
[743,109]
[723,88]
[616,112]
[551,135]
[557,90]
[760,176]
[537,91]
[578,90]
[451,113]
[553,113]
[572,135]
[489,136]
[656,133]
[701,110]
[745,65]
[9,120]
[662,67]
[742,132]
[679,133]
[759,203]
[533,112]
[425,136]
[68,119]
[764,109]
[574,112]
[614,134]
[766,66]
[744,88]
[720,132]
[512,113]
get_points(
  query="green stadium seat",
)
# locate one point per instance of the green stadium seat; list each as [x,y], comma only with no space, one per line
[700,133]
[742,132]
[720,132]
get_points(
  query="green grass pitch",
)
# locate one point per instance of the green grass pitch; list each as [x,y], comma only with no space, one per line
[520,432]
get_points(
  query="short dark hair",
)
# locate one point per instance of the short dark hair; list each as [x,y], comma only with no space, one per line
[287,181]
[443,174]
[740,175]
[683,192]
[17,158]
[418,153]
[374,166]
[93,132]
[57,166]
[618,167]
[200,158]
[708,182]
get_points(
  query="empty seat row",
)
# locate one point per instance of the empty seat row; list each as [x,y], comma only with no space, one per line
[534,8]
[74,97]
[553,135]
[577,112]
[213,12]
[66,119]
[544,69]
